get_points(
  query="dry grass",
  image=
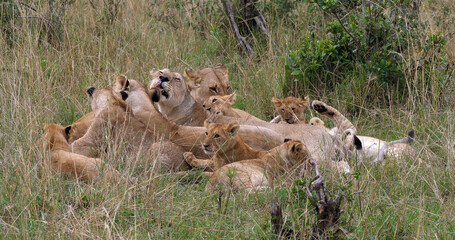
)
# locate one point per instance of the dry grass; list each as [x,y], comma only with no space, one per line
[401,199]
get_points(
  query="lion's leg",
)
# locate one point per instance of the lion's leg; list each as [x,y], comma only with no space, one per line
[341,122]
[198,163]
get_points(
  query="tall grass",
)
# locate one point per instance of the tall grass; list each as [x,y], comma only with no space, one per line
[408,198]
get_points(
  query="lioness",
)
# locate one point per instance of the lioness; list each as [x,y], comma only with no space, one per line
[255,174]
[290,109]
[208,82]
[75,164]
[222,105]
[173,98]
[222,141]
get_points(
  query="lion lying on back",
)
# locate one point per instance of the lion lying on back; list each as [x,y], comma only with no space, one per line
[257,173]
[372,148]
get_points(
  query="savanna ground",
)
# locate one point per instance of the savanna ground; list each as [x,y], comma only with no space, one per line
[45,69]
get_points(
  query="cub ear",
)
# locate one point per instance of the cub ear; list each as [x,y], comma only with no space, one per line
[276,101]
[233,127]
[297,147]
[67,130]
[124,95]
[304,101]
[230,98]
[287,139]
[222,68]
[154,71]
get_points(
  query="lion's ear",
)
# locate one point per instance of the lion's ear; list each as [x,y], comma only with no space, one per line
[223,69]
[276,101]
[297,147]
[303,101]
[229,98]
[192,75]
[154,71]
[233,127]
[121,83]
[67,130]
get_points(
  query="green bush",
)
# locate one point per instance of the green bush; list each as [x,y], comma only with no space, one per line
[381,39]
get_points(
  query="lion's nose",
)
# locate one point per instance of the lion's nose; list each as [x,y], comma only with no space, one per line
[206,146]
[208,109]
[164,78]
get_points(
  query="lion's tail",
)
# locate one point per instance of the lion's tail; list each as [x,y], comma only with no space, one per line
[408,140]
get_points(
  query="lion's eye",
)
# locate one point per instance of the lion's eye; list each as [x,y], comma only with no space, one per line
[206,133]
[282,109]
[177,79]
[216,136]
[293,109]
[161,72]
[228,89]
[214,100]
[213,89]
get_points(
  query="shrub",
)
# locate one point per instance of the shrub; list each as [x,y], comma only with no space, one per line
[384,39]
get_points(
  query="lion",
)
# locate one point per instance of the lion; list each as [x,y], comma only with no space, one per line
[255,174]
[180,139]
[372,148]
[224,143]
[208,82]
[290,109]
[67,162]
[317,140]
[173,98]
[222,105]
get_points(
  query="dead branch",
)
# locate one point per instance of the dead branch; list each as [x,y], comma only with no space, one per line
[230,14]
[327,209]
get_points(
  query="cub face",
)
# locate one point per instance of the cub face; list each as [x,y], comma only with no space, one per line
[167,86]
[219,137]
[219,104]
[208,82]
[290,109]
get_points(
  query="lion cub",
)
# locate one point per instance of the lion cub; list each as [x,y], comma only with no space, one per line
[70,163]
[222,141]
[255,174]
[290,109]
[222,105]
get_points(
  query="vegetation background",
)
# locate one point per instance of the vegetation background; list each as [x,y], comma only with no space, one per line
[387,65]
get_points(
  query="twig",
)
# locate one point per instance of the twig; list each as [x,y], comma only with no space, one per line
[230,14]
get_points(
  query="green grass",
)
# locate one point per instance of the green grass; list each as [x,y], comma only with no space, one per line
[401,199]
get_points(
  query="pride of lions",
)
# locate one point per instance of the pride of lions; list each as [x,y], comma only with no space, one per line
[183,124]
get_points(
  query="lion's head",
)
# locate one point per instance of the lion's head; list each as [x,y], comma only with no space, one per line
[291,109]
[57,137]
[219,105]
[208,82]
[219,136]
[315,121]
[167,87]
